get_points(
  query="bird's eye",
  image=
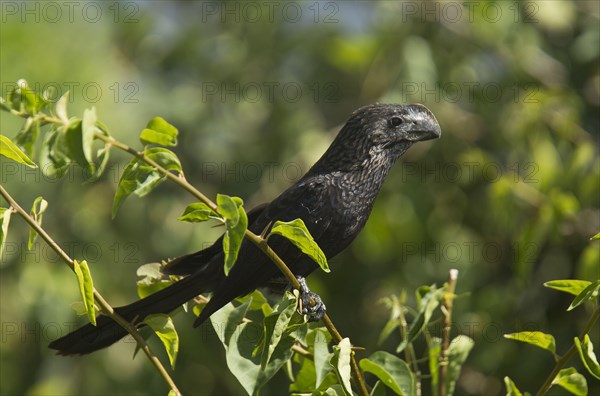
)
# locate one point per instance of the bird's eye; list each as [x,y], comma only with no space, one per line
[395,121]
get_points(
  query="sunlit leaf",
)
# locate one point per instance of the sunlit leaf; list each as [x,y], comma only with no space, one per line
[322,356]
[571,286]
[4,221]
[24,99]
[86,288]
[275,325]
[165,330]
[37,210]
[299,235]
[88,129]
[61,107]
[435,350]
[236,220]
[198,212]
[75,145]
[10,150]
[458,351]
[240,339]
[341,364]
[54,159]
[391,371]
[587,355]
[571,381]
[428,303]
[597,236]
[511,388]
[537,338]
[393,322]
[158,131]
[587,294]
[140,178]
[28,136]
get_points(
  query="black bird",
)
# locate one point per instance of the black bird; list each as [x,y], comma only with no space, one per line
[334,199]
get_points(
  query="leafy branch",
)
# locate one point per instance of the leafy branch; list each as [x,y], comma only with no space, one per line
[568,378]
[97,297]
[80,134]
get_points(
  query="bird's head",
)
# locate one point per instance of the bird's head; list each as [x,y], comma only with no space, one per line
[378,134]
[389,125]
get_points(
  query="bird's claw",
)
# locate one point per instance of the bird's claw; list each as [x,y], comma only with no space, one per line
[311,304]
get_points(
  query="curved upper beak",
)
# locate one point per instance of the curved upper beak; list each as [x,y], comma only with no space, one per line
[425,125]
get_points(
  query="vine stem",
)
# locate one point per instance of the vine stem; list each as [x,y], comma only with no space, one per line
[565,358]
[447,305]
[260,242]
[106,308]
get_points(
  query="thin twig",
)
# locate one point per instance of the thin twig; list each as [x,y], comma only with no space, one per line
[447,309]
[409,351]
[104,306]
[565,358]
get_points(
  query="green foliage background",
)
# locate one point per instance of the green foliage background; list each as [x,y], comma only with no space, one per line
[509,195]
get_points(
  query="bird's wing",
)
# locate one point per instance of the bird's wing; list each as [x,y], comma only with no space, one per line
[190,263]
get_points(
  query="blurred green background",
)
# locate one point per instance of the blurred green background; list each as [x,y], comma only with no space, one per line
[509,195]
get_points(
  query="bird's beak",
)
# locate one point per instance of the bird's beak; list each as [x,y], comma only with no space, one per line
[425,125]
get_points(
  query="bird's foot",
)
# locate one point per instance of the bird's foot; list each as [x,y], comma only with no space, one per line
[310,303]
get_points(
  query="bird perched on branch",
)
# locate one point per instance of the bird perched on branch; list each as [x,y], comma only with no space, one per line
[334,199]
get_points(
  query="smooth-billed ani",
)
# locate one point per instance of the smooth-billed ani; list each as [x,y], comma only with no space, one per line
[334,199]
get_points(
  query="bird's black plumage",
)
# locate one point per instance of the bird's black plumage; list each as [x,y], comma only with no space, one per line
[334,199]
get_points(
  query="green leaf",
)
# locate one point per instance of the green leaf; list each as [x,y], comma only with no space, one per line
[299,235]
[597,236]
[198,212]
[435,350]
[61,107]
[240,341]
[37,211]
[5,220]
[392,371]
[571,381]
[88,129]
[276,324]
[341,364]
[589,293]
[24,99]
[236,220]
[428,303]
[165,330]
[228,208]
[393,322]
[571,286]
[322,356]
[140,178]
[86,288]
[28,135]
[3,105]
[54,159]
[458,351]
[587,355]
[158,131]
[152,279]
[511,388]
[10,150]
[74,141]
[537,338]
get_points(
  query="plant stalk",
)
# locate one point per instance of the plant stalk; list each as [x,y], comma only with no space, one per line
[447,305]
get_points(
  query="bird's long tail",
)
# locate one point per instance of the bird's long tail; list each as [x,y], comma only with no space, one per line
[90,338]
